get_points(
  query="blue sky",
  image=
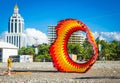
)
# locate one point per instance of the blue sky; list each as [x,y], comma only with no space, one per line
[98,15]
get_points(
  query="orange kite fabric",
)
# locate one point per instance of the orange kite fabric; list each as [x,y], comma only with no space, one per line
[58,50]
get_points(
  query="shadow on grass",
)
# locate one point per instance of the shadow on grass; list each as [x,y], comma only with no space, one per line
[100,77]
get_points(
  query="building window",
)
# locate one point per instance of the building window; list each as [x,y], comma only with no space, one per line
[15,20]
[7,39]
[14,40]
[15,27]
[11,27]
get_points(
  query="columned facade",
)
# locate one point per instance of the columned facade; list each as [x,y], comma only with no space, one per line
[15,29]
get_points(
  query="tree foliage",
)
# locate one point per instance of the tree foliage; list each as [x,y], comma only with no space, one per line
[43,52]
[109,50]
[26,51]
[83,51]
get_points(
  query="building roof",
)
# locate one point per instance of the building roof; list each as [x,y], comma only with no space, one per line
[7,45]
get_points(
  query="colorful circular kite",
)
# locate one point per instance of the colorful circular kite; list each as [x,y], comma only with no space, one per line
[58,50]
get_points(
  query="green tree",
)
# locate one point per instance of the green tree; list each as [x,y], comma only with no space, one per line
[110,50]
[30,51]
[114,50]
[26,51]
[87,49]
[43,52]
[21,51]
[105,49]
[74,49]
[118,51]
[83,51]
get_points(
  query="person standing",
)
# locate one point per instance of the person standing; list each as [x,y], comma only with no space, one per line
[9,65]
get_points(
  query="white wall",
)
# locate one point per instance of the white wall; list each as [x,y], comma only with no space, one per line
[9,52]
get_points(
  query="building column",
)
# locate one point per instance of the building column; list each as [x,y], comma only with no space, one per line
[5,38]
[8,39]
[18,41]
[13,40]
[13,26]
[10,26]
[17,26]
[21,27]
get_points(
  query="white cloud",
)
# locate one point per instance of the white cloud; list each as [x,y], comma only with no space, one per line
[31,34]
[2,36]
[108,36]
[96,34]
[34,36]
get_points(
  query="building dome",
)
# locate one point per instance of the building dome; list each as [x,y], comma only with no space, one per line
[7,45]
[16,6]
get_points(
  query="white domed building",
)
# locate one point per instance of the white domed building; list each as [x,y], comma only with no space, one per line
[15,33]
[6,50]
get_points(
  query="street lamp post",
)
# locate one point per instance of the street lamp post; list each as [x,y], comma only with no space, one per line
[36,47]
[99,45]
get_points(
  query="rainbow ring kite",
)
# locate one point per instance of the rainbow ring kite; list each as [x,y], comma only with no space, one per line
[58,50]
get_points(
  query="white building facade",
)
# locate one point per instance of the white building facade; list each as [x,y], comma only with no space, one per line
[15,34]
[51,34]
[6,50]
[75,38]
